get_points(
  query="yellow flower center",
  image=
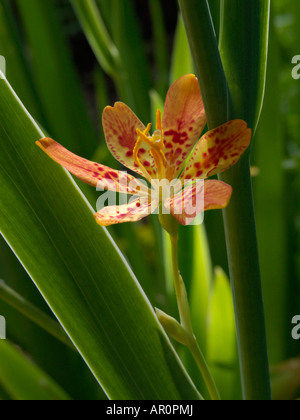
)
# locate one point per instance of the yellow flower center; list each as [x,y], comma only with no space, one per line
[156,144]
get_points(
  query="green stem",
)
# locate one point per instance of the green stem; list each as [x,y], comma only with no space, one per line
[180,290]
[34,314]
[209,68]
[246,283]
[186,323]
[239,216]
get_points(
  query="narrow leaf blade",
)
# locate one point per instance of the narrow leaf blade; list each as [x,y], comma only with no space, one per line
[79,270]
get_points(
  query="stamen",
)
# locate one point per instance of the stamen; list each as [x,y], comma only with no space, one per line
[159,126]
[141,136]
[147,131]
[160,162]
[156,144]
[158,120]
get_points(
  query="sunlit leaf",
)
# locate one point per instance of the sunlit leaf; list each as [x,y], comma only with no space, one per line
[89,287]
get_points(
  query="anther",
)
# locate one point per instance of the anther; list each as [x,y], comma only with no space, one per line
[156,144]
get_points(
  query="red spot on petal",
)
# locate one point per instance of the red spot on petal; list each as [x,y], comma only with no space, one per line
[178,137]
[129,153]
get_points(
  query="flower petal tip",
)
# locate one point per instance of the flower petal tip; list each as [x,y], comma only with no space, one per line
[44,144]
[189,76]
[217,195]
[117,105]
[100,222]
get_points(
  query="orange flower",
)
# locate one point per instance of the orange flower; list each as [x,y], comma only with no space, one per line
[164,156]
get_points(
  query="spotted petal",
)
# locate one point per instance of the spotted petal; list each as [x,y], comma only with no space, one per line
[92,173]
[218,149]
[183,122]
[132,212]
[197,197]
[120,124]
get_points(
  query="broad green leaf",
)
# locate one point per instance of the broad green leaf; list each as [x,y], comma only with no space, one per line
[199,289]
[49,354]
[245,57]
[269,188]
[201,283]
[221,337]
[79,270]
[24,381]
